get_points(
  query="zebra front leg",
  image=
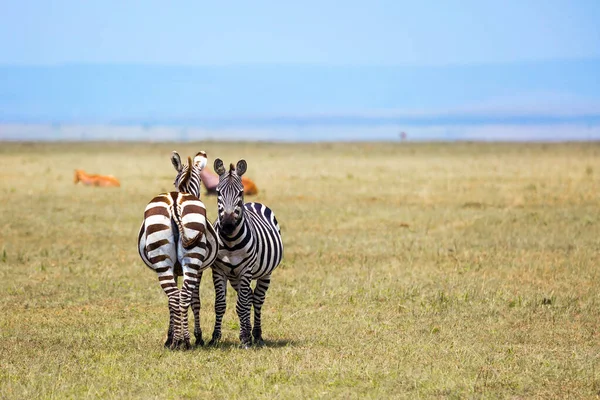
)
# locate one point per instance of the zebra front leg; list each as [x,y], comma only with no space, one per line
[258,299]
[220,284]
[243,307]
[196,306]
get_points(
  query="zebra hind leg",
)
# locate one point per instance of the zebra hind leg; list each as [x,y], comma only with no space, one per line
[173,332]
[169,286]
[196,306]
[169,340]
[185,300]
[258,299]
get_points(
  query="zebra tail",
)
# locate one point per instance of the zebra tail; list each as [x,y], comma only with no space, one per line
[190,218]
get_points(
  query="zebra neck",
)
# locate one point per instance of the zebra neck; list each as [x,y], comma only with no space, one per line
[194,191]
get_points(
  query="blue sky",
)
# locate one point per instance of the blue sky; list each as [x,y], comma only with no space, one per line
[305,32]
[233,63]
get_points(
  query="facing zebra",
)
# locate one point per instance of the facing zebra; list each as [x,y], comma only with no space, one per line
[250,249]
[176,240]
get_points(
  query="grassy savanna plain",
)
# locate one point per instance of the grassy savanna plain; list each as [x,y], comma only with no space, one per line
[410,271]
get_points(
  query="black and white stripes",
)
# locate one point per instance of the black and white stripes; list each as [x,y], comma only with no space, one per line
[250,249]
[176,240]
[188,176]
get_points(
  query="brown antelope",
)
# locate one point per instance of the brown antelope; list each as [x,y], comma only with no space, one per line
[95,180]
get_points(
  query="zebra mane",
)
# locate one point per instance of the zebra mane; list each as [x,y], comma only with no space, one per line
[183,180]
[188,178]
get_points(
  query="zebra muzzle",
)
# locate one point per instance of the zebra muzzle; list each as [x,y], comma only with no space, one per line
[228,222]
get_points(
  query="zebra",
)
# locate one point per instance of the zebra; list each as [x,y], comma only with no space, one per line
[176,240]
[250,249]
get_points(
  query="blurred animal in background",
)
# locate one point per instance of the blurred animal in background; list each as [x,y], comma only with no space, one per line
[211,180]
[95,180]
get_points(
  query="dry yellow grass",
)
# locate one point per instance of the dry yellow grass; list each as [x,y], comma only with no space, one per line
[410,270]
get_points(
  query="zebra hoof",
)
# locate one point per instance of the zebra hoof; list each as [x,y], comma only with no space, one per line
[246,342]
[175,344]
[169,342]
[181,344]
[245,345]
[199,342]
[215,340]
[259,342]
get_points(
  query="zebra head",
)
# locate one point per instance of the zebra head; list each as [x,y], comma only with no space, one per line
[188,176]
[230,195]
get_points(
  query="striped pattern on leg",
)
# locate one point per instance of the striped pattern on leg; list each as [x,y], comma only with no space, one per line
[258,298]
[243,307]
[220,284]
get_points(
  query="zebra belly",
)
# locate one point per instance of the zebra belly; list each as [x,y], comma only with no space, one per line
[225,263]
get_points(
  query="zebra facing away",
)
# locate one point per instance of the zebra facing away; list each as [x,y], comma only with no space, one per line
[250,248]
[176,240]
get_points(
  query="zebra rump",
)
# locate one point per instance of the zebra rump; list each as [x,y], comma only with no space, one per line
[168,217]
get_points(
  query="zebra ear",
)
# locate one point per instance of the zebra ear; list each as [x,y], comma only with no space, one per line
[176,160]
[219,168]
[200,160]
[240,168]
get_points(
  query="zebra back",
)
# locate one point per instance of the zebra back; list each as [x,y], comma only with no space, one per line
[190,217]
[189,212]
[175,216]
[165,212]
